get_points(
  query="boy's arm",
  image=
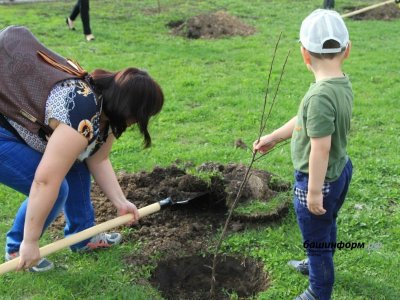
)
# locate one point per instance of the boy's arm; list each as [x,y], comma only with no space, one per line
[270,140]
[318,165]
[285,132]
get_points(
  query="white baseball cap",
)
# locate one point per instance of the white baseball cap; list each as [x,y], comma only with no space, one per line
[320,26]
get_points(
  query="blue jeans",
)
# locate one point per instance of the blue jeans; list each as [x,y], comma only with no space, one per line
[317,230]
[18,164]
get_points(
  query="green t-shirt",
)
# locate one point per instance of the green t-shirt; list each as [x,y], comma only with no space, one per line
[325,110]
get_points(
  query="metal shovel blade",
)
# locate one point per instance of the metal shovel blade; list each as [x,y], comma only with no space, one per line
[196,196]
[170,201]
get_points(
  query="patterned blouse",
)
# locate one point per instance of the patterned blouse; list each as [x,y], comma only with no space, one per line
[73,103]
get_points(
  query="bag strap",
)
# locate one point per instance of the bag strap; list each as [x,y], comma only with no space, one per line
[76,69]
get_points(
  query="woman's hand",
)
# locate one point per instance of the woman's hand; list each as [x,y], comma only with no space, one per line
[267,142]
[127,207]
[29,255]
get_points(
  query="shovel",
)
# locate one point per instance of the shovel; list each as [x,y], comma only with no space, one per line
[92,231]
[362,10]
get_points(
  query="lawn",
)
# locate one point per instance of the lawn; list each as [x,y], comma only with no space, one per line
[214,93]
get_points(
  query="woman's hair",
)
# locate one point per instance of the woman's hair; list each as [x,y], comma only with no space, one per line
[128,95]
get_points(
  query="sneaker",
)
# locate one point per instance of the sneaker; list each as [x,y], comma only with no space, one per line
[90,37]
[102,241]
[300,265]
[307,295]
[70,24]
[43,265]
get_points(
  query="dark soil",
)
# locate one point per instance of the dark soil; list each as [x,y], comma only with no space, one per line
[190,277]
[384,12]
[211,26]
[187,229]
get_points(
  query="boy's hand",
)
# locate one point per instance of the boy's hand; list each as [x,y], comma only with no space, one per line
[315,203]
[267,142]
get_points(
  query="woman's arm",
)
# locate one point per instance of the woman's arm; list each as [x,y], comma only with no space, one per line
[100,167]
[62,149]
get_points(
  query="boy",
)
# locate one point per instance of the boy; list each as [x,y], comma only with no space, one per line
[319,138]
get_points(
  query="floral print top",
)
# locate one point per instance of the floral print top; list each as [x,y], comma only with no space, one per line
[71,102]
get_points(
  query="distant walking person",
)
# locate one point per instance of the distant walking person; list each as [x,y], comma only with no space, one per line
[81,7]
[329,4]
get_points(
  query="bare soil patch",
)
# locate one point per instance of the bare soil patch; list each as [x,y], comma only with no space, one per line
[190,277]
[190,230]
[211,26]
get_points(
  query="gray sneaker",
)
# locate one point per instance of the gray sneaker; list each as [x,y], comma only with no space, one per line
[101,241]
[307,295]
[300,265]
[43,265]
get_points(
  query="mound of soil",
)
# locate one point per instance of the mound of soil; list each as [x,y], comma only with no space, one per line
[211,26]
[185,229]
[384,12]
[190,277]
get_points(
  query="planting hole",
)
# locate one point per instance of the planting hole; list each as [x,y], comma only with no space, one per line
[189,277]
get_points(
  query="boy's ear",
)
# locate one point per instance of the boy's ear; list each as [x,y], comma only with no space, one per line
[347,51]
[306,55]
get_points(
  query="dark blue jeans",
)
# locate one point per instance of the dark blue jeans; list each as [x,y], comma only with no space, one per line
[18,163]
[321,230]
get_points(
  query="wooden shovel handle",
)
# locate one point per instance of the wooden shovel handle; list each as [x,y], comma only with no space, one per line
[83,235]
[359,11]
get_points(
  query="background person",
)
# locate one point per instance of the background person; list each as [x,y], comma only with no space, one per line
[81,7]
[329,4]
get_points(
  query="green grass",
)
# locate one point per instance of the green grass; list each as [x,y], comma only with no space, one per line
[261,208]
[214,92]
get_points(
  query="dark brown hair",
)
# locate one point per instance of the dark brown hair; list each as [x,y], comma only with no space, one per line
[128,95]
[329,44]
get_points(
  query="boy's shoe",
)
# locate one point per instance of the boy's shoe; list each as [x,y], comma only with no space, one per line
[307,295]
[43,265]
[102,241]
[300,265]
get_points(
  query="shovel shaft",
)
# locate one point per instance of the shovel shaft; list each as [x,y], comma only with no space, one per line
[360,11]
[83,235]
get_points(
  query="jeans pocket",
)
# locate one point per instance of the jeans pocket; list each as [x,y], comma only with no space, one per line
[301,195]
[326,188]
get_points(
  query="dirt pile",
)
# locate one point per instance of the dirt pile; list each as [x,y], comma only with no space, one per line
[187,230]
[211,26]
